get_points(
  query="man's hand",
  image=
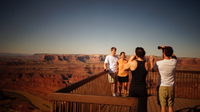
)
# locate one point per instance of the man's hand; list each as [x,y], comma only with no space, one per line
[105,70]
[162,46]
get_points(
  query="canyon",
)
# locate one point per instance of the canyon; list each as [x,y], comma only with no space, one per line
[42,74]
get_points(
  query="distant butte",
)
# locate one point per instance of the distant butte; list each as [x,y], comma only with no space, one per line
[72,57]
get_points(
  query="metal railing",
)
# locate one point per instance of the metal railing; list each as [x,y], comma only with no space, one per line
[93,94]
[187,84]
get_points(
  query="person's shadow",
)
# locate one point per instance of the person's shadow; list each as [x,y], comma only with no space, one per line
[190,109]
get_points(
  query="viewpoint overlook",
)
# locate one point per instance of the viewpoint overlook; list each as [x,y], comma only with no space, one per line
[42,74]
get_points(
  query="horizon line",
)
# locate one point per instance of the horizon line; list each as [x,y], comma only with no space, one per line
[3,53]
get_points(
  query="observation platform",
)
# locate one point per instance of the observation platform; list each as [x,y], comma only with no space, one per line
[93,94]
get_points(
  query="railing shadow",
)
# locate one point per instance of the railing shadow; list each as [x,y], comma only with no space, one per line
[190,109]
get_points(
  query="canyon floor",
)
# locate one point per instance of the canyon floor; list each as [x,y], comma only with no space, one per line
[42,74]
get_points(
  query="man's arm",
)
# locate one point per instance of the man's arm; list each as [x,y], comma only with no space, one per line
[147,66]
[105,67]
[151,59]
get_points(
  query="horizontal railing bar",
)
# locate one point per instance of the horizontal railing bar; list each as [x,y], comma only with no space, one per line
[185,71]
[109,100]
[79,83]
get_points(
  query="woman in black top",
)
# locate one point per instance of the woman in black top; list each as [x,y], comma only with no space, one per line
[139,69]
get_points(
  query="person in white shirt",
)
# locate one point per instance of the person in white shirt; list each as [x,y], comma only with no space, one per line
[110,65]
[166,69]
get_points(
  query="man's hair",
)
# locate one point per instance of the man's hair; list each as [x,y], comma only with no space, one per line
[168,51]
[140,52]
[113,48]
[122,53]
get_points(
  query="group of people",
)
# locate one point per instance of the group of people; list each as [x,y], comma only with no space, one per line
[118,70]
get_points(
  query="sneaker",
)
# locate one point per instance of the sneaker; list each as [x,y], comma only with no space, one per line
[114,94]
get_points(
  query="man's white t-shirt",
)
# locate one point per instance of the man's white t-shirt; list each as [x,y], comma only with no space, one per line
[166,69]
[111,63]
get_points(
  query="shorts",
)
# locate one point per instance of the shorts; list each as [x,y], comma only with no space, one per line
[123,79]
[166,95]
[112,77]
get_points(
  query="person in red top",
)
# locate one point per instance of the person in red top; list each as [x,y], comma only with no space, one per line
[123,77]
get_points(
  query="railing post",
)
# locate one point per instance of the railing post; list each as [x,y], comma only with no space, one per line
[134,107]
[66,106]
[54,106]
[74,107]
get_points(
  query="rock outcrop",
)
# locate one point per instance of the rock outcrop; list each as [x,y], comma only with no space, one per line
[73,58]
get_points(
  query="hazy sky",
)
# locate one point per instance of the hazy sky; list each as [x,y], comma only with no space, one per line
[93,27]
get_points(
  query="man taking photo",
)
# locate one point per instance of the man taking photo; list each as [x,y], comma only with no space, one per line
[166,69]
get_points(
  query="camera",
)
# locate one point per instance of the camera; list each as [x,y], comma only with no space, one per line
[159,47]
